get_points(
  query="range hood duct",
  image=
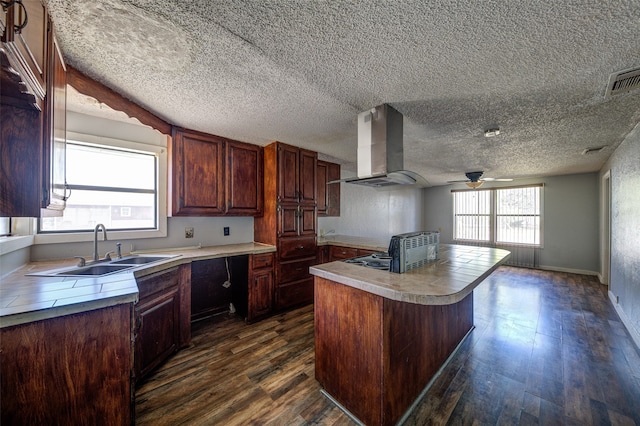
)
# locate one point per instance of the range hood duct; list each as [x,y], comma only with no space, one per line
[380,151]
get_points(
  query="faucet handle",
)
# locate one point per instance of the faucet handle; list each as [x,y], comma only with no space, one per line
[81,262]
[118,251]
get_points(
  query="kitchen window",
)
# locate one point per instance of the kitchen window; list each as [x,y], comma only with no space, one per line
[499,216]
[114,184]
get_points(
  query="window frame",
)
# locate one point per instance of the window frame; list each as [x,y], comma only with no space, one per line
[161,184]
[493,221]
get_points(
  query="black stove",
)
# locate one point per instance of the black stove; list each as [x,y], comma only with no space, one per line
[380,261]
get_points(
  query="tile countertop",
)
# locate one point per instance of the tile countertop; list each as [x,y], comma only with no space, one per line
[375,244]
[26,299]
[450,279]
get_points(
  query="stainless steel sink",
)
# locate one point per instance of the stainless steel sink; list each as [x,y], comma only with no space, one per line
[103,268]
[138,260]
[94,270]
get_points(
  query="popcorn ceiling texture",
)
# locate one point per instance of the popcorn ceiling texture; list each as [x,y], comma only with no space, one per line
[300,71]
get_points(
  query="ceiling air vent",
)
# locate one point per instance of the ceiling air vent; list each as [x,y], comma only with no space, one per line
[593,150]
[623,81]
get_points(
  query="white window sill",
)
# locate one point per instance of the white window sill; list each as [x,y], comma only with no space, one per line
[10,244]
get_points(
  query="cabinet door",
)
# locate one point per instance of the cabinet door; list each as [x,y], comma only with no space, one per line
[260,293]
[244,177]
[288,220]
[328,196]
[321,191]
[157,331]
[333,190]
[20,141]
[197,174]
[27,47]
[55,132]
[307,220]
[308,176]
[288,174]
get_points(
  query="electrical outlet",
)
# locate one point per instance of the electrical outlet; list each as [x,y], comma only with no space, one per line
[226,231]
[188,232]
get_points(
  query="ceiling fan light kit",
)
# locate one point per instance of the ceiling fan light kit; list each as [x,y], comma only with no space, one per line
[475,185]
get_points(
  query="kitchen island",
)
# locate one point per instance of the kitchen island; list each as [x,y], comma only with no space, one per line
[381,337]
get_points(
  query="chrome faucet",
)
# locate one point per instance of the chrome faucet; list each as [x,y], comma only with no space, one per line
[95,240]
[330,231]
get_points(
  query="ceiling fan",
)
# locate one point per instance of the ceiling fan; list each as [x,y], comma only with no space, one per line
[475,180]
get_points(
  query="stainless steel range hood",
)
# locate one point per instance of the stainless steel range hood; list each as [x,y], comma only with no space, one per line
[380,151]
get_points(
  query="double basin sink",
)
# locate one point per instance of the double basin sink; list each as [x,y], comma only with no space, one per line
[104,267]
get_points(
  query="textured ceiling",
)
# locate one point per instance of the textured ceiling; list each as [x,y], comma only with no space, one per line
[300,72]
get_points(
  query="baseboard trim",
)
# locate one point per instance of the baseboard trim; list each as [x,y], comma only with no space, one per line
[569,270]
[635,335]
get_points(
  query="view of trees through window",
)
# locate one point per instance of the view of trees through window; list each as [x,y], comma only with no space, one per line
[501,216]
[112,186]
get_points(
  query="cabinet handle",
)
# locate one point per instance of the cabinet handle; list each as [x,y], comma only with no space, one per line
[298,269]
[300,247]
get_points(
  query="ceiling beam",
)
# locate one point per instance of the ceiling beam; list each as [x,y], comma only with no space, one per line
[102,93]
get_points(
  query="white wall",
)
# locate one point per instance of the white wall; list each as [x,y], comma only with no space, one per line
[624,283]
[367,212]
[570,229]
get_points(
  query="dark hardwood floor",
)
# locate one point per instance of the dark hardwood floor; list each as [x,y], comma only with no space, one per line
[548,348]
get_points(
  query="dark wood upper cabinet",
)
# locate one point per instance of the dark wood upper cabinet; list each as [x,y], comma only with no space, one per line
[214,176]
[55,132]
[27,46]
[197,174]
[328,195]
[288,173]
[308,176]
[20,154]
[297,175]
[244,176]
[33,125]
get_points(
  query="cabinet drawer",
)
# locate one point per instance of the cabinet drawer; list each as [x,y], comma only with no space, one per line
[295,248]
[155,283]
[295,293]
[337,253]
[264,260]
[293,271]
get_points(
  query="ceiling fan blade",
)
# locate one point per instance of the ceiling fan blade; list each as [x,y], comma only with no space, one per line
[497,180]
[458,181]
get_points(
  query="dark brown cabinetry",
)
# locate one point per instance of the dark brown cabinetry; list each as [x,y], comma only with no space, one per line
[160,318]
[340,252]
[290,220]
[328,194]
[197,174]
[26,40]
[243,178]
[260,291]
[55,131]
[69,370]
[33,102]
[213,176]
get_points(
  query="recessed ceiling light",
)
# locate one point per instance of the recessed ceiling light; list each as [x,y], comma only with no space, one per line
[489,133]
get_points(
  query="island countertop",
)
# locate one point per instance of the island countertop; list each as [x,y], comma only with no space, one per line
[446,281]
[26,299]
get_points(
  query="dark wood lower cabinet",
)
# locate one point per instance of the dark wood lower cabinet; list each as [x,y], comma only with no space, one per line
[253,298]
[69,370]
[161,317]
[376,355]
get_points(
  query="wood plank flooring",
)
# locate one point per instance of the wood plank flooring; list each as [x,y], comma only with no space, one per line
[548,348]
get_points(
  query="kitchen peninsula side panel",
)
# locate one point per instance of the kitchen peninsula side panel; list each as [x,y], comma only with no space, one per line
[375,355]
